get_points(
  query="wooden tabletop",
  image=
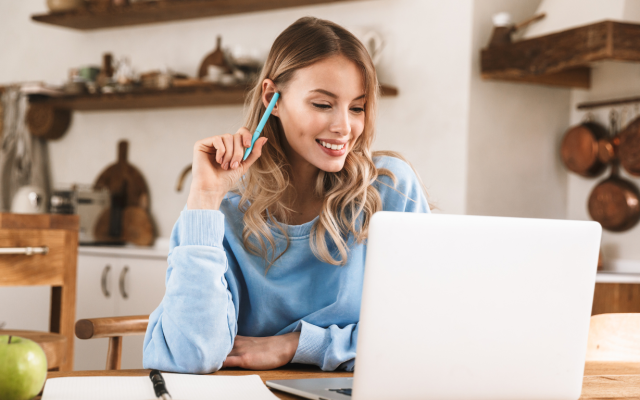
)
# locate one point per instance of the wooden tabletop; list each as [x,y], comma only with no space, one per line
[291,371]
[602,379]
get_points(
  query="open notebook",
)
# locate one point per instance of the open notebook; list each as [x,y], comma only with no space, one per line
[180,386]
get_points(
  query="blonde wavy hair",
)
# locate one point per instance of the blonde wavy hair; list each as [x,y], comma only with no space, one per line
[349,199]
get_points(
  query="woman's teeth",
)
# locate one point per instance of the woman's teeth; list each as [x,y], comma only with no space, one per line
[331,146]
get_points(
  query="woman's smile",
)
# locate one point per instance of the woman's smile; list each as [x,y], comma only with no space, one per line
[334,148]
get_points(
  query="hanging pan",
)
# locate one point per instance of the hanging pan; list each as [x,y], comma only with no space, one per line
[630,147]
[614,202]
[580,149]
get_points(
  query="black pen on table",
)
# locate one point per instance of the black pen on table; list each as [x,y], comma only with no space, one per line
[158,385]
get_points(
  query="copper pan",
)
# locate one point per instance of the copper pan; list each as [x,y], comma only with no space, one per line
[580,149]
[629,150]
[615,202]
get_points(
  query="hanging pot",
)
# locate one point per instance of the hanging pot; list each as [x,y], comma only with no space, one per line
[630,147]
[580,149]
[615,202]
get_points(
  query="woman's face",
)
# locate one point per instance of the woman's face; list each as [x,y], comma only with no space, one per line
[322,113]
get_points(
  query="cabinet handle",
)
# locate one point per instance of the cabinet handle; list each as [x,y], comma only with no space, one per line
[103,281]
[24,250]
[123,274]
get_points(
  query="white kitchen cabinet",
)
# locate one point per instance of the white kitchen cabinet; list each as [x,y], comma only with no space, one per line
[116,284]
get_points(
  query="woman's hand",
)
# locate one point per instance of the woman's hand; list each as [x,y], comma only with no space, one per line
[217,167]
[262,352]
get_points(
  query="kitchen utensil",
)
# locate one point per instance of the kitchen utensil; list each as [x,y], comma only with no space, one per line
[615,202]
[63,5]
[374,43]
[216,58]
[29,200]
[137,227]
[89,73]
[90,204]
[129,199]
[63,202]
[580,149]
[105,77]
[503,28]
[47,122]
[114,177]
[630,147]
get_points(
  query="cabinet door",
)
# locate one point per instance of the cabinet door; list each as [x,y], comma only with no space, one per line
[96,298]
[140,290]
[25,307]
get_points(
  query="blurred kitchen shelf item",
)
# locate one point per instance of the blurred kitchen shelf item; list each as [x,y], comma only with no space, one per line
[190,96]
[98,15]
[562,58]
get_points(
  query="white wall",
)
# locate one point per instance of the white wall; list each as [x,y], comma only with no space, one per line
[427,58]
[514,168]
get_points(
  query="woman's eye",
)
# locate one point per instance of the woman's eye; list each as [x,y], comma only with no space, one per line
[357,110]
[321,106]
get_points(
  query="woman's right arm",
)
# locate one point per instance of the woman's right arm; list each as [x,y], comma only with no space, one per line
[194,327]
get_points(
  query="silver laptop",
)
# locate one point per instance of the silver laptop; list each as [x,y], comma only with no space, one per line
[465,307]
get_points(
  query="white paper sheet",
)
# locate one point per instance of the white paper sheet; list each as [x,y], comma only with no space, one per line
[180,387]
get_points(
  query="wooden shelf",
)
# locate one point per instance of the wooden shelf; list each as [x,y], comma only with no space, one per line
[210,95]
[147,12]
[563,58]
[203,95]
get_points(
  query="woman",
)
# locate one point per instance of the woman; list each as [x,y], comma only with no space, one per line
[267,259]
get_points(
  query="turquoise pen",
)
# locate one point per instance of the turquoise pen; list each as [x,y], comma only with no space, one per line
[261,125]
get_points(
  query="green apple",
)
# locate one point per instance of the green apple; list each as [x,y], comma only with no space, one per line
[23,368]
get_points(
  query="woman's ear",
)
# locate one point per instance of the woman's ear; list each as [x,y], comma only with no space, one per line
[268,90]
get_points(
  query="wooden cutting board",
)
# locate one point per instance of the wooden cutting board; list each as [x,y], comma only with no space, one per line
[121,175]
[137,227]
[125,181]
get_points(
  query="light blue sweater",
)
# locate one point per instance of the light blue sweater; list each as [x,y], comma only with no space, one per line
[217,290]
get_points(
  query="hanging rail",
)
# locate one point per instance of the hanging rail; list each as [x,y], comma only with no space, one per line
[605,103]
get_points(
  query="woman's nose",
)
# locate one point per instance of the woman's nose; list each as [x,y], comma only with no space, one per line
[342,124]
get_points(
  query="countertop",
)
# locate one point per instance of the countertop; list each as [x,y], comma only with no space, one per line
[160,249]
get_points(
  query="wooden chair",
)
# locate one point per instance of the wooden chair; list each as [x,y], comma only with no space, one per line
[614,337]
[114,329]
[42,249]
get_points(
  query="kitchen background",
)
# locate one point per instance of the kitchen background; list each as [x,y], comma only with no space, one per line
[481,147]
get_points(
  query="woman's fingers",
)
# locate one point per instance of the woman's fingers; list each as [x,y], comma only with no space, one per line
[238,151]
[246,137]
[212,145]
[227,139]
[255,153]
[232,361]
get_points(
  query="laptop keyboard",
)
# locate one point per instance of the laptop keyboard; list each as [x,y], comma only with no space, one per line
[346,392]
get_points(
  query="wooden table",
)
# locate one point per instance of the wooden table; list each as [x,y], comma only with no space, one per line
[602,380]
[291,371]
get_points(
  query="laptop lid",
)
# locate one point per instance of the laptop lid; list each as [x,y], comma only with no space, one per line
[469,307]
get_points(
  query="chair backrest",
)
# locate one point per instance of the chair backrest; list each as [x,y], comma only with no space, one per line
[614,337]
[113,328]
[42,249]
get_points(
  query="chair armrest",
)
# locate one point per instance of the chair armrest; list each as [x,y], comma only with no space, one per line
[111,327]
